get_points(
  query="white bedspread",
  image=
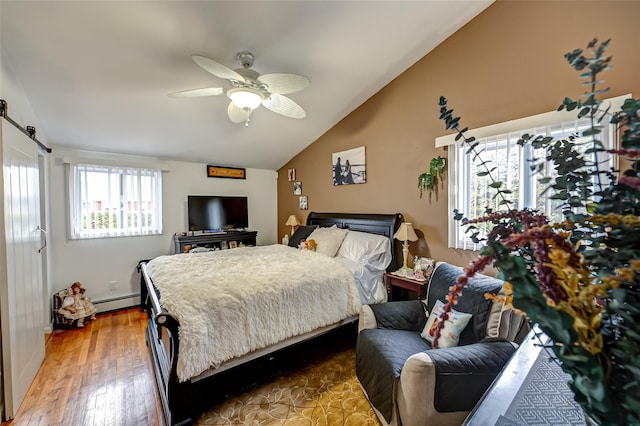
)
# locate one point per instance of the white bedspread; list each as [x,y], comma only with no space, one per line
[232,302]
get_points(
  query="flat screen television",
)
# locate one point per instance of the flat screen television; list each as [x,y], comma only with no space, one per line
[217,213]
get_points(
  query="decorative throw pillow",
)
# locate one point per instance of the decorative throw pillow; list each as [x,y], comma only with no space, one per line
[328,240]
[453,326]
[495,316]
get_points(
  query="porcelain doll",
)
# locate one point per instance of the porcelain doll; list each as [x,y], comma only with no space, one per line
[76,306]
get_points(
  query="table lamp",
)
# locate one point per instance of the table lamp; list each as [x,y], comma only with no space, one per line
[293,221]
[405,233]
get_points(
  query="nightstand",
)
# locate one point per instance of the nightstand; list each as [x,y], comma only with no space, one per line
[392,280]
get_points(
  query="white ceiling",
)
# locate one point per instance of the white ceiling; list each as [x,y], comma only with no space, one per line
[97,73]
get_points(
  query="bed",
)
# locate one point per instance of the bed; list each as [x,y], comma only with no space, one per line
[251,302]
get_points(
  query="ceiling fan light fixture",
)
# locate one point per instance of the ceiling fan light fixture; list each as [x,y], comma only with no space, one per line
[249,89]
[245,97]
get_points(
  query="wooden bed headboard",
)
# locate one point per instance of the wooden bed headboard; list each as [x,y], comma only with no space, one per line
[381,224]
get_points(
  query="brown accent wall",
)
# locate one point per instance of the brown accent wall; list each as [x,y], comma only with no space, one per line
[505,64]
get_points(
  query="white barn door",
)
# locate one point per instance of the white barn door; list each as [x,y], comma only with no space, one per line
[21,287]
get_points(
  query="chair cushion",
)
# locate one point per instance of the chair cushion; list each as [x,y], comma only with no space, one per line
[471,301]
[380,355]
[400,315]
[472,368]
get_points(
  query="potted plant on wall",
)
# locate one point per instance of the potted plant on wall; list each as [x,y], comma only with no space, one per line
[428,181]
[579,279]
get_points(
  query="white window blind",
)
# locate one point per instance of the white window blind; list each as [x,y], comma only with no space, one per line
[471,194]
[112,201]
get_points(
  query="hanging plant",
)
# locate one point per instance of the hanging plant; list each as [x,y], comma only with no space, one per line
[429,181]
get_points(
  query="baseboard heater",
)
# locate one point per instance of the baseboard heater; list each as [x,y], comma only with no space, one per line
[116,303]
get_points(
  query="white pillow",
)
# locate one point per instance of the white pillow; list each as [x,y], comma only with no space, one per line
[453,326]
[328,240]
[370,250]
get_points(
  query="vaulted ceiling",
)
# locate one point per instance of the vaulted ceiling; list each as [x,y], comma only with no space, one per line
[98,73]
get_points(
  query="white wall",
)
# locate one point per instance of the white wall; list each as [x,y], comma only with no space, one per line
[98,262]
[11,90]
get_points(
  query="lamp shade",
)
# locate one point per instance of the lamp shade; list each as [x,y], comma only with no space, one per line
[292,220]
[406,233]
[245,98]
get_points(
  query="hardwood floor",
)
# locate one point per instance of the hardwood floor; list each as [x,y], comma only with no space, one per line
[96,375]
[101,375]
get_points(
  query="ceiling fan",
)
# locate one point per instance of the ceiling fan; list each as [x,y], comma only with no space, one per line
[249,89]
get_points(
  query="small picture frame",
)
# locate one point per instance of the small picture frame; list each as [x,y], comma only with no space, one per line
[233,244]
[291,174]
[423,268]
[297,188]
[223,245]
[304,203]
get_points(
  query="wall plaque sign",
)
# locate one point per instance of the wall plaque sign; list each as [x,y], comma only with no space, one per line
[226,172]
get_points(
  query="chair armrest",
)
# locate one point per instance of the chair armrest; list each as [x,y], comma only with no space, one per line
[401,315]
[366,318]
[445,384]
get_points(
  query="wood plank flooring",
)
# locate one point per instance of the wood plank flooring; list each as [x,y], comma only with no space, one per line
[97,375]
[101,375]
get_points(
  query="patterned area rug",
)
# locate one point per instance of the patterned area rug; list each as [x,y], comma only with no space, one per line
[325,391]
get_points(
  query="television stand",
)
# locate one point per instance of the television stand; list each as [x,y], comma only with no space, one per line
[214,240]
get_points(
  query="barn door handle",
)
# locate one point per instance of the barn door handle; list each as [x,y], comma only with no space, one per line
[45,238]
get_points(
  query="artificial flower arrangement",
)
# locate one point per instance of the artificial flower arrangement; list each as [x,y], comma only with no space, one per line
[578,279]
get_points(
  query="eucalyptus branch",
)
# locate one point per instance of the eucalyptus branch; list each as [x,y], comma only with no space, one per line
[591,106]
[452,122]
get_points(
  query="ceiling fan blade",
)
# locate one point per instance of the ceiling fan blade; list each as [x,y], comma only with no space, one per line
[283,83]
[216,68]
[237,114]
[284,106]
[195,93]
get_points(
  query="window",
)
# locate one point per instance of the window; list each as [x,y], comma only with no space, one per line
[111,201]
[470,194]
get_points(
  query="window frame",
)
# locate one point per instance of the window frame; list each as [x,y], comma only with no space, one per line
[120,170]
[458,182]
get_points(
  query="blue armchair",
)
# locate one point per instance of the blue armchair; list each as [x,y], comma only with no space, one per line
[409,383]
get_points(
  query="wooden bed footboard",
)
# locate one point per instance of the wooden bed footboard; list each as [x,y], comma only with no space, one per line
[164,347]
